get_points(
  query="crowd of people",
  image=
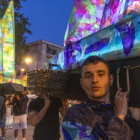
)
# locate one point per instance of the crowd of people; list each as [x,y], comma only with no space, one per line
[99,118]
[13,112]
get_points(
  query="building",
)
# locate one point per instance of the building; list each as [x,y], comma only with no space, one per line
[40,52]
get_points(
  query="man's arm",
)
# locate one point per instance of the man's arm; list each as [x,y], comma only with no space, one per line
[63,109]
[34,117]
[25,100]
[14,100]
[22,101]
[134,122]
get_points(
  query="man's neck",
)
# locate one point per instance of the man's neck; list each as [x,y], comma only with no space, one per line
[43,96]
[105,98]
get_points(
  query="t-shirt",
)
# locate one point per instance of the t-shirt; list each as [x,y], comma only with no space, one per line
[48,127]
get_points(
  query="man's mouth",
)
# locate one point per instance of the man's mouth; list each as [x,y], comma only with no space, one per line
[95,88]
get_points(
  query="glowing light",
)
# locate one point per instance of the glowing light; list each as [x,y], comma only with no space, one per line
[22,69]
[8,41]
[28,61]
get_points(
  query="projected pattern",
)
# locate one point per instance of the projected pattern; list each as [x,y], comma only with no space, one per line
[1,51]
[4,79]
[8,41]
[89,16]
[115,42]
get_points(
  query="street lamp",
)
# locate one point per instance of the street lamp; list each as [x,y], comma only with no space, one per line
[22,69]
[28,60]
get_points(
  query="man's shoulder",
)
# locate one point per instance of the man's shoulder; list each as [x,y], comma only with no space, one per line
[76,113]
[2,98]
[77,107]
[33,105]
[35,100]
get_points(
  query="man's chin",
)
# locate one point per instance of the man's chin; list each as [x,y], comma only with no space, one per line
[97,95]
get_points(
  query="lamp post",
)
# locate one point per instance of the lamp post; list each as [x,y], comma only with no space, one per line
[22,69]
[28,61]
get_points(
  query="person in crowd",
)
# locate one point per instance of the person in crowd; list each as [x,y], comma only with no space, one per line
[43,113]
[2,115]
[101,117]
[19,110]
[9,112]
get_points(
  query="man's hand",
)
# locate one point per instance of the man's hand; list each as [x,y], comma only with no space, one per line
[64,102]
[121,104]
[135,113]
[17,97]
[47,102]
[64,109]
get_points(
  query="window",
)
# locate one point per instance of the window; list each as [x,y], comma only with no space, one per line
[24,73]
[51,51]
[18,74]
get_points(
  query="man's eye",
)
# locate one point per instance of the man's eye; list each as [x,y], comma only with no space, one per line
[101,75]
[87,76]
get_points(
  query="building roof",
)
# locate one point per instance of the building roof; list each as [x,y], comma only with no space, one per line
[44,41]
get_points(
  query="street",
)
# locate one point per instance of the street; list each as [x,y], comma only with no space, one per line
[29,133]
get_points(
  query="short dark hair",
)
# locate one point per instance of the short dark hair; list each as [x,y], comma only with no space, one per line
[25,88]
[94,60]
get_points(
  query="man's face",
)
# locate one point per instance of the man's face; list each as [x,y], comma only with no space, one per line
[37,93]
[23,92]
[95,80]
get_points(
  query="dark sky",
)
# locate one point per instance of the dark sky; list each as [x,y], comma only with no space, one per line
[48,18]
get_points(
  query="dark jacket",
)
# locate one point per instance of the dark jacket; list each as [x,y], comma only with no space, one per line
[2,106]
[105,125]
[20,106]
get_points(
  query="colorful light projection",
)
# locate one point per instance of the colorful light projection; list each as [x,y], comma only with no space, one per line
[8,40]
[7,48]
[1,51]
[4,79]
[118,41]
[89,16]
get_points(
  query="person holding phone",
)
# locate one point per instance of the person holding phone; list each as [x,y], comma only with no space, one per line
[43,113]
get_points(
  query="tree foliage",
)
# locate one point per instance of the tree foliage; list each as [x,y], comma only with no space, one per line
[21,27]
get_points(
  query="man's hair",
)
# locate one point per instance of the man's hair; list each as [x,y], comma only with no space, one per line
[94,60]
[25,88]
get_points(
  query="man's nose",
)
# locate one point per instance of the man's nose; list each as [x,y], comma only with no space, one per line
[95,78]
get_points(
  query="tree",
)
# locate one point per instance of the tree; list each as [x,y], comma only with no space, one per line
[21,27]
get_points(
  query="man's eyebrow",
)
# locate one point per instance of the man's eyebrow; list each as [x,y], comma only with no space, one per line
[87,72]
[101,71]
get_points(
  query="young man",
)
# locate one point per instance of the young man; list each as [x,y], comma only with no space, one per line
[97,119]
[43,113]
[19,108]
[2,115]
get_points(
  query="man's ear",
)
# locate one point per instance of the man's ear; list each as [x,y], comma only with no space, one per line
[81,82]
[111,79]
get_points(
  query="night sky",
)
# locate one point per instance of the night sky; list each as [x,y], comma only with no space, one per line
[48,18]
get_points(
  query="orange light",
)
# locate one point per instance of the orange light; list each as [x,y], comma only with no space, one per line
[28,60]
[22,69]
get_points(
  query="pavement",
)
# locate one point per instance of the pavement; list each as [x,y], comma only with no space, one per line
[29,133]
